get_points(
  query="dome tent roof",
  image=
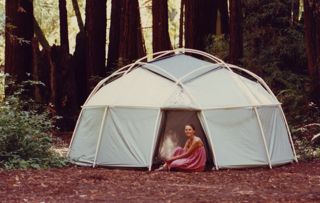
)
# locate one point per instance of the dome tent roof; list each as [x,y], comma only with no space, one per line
[181,81]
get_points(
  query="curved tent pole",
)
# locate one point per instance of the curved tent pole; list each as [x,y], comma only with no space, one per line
[100,136]
[97,87]
[206,126]
[198,69]
[74,132]
[155,136]
[263,137]
[176,81]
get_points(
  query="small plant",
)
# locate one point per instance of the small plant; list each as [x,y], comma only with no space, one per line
[25,131]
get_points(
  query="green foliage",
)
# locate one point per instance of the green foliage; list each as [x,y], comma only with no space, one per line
[218,45]
[25,132]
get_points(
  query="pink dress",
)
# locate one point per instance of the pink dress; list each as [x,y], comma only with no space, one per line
[194,163]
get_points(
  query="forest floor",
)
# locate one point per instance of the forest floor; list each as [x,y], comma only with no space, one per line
[298,182]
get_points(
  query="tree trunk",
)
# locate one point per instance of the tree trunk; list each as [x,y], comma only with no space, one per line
[312,43]
[95,30]
[236,43]
[35,69]
[63,25]
[78,14]
[200,22]
[223,8]
[132,43]
[114,40]
[160,28]
[18,33]
[181,24]
[310,36]
[295,11]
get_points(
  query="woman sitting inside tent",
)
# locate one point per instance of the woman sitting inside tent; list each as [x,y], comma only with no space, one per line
[191,158]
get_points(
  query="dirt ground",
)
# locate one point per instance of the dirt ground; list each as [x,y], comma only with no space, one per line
[291,183]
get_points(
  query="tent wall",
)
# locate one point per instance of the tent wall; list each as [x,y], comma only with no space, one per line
[277,136]
[83,147]
[237,138]
[127,137]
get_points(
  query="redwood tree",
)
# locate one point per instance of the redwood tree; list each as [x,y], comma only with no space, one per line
[131,46]
[236,44]
[19,33]
[114,40]
[312,42]
[63,25]
[95,32]
[160,28]
[200,22]
[223,8]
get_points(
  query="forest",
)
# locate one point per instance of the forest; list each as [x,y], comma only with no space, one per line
[54,52]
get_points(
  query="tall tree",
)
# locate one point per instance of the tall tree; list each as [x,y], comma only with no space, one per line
[114,40]
[64,38]
[181,24]
[160,28]
[200,22]
[78,14]
[132,43]
[236,42]
[295,10]
[18,33]
[95,32]
[312,41]
[224,16]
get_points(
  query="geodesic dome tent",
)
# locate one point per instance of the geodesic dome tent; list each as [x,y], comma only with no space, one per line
[137,115]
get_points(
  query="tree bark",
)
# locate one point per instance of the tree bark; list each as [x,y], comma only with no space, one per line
[78,15]
[35,69]
[18,34]
[312,43]
[40,36]
[114,40]
[295,11]
[95,30]
[181,24]
[200,22]
[132,43]
[236,42]
[223,8]
[160,27]
[310,36]
[64,37]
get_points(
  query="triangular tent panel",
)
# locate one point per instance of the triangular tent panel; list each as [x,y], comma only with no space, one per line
[137,115]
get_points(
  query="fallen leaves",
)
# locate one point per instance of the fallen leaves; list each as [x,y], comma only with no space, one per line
[295,182]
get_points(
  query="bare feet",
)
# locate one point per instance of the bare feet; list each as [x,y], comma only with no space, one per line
[162,168]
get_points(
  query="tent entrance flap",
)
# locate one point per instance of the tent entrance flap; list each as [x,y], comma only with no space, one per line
[171,135]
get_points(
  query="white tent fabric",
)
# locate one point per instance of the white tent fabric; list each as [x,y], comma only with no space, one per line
[124,120]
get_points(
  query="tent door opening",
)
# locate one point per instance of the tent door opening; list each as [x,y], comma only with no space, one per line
[171,135]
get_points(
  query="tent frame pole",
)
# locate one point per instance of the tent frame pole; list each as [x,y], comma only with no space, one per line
[155,136]
[263,136]
[206,126]
[100,135]
[74,132]
[289,134]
